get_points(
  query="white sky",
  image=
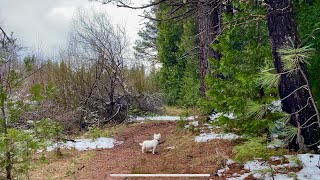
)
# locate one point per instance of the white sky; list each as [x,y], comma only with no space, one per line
[46,23]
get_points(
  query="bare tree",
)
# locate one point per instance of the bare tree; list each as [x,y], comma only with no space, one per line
[103,46]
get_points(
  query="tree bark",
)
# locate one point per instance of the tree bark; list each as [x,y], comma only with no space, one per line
[209,28]
[295,100]
[8,165]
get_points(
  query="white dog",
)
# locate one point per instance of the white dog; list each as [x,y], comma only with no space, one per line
[151,144]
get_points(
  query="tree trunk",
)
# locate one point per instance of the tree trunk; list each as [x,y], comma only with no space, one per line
[8,165]
[209,27]
[296,101]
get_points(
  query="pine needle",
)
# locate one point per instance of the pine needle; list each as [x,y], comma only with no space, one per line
[291,57]
[285,118]
[269,80]
[256,110]
[290,132]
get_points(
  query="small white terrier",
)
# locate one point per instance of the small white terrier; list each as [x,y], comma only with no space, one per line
[151,144]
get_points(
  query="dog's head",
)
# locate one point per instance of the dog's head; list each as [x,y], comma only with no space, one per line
[157,136]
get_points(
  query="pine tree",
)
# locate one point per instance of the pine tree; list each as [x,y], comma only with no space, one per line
[145,47]
[294,89]
[172,69]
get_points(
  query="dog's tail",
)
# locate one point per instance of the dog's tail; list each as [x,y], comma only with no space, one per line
[140,144]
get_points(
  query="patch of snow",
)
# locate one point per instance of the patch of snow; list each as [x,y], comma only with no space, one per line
[275,106]
[210,126]
[241,177]
[221,171]
[204,137]
[275,158]
[86,144]
[29,131]
[276,143]
[292,162]
[274,136]
[214,116]
[162,118]
[230,161]
[261,169]
[255,165]
[230,116]
[310,169]
[30,122]
[194,123]
[281,177]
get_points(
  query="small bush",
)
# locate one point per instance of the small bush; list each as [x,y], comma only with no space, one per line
[95,132]
[245,126]
[254,148]
[266,171]
[295,159]
[181,123]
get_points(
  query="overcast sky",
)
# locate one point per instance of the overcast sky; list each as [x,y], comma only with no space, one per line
[46,23]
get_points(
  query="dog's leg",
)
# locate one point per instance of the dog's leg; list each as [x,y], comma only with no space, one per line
[142,149]
[153,150]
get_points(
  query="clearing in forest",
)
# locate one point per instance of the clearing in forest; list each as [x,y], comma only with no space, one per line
[177,153]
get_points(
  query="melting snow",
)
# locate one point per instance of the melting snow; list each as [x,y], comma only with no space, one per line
[214,116]
[194,123]
[261,169]
[204,137]
[310,169]
[243,176]
[275,106]
[86,144]
[162,118]
[276,143]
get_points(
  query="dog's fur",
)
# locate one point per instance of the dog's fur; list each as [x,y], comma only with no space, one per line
[151,144]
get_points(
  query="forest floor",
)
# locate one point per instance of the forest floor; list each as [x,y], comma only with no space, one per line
[187,156]
[186,147]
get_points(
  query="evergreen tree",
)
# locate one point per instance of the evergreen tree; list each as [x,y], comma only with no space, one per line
[178,54]
[172,69]
[145,47]
[190,84]
[308,13]
[234,79]
[290,64]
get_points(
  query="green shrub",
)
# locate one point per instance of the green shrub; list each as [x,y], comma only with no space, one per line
[95,132]
[254,148]
[181,123]
[49,130]
[245,126]
[295,159]
[21,145]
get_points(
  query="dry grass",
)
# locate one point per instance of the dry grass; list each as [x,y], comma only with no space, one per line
[176,111]
[56,167]
[187,157]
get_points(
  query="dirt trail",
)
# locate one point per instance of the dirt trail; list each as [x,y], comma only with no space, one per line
[187,157]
